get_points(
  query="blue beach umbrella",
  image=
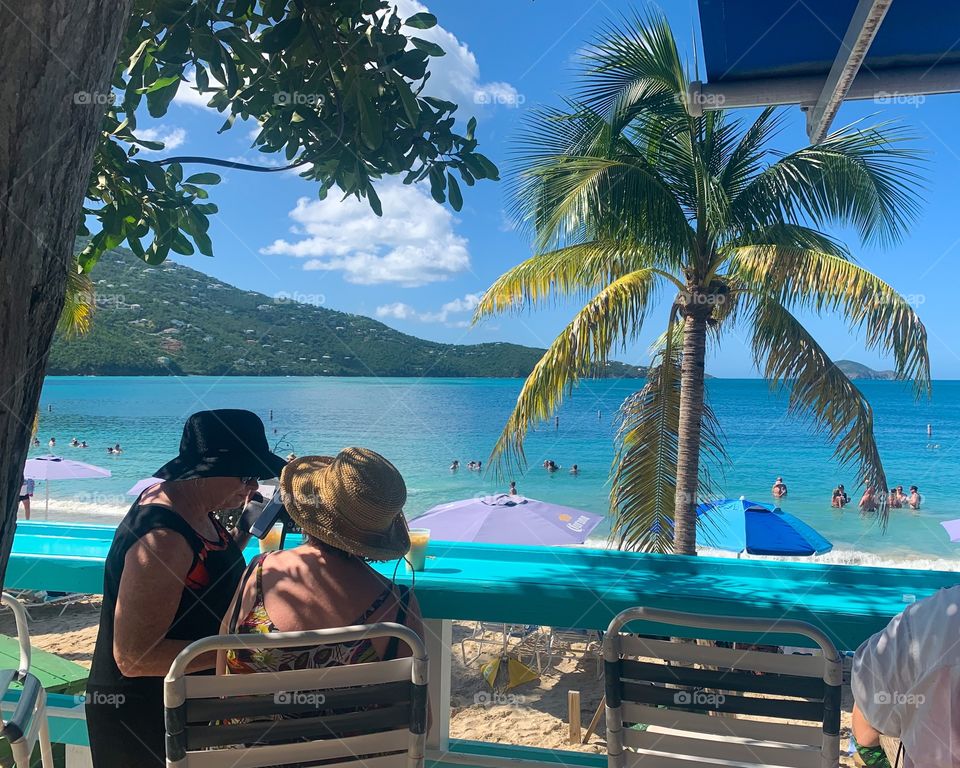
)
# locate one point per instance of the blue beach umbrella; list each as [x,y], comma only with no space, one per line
[738,525]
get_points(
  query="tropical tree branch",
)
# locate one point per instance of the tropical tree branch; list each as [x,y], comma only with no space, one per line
[229,163]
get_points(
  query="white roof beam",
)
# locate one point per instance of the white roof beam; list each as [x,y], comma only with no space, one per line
[856,43]
[889,85]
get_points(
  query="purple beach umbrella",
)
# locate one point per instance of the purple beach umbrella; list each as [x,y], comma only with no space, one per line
[504,519]
[952,527]
[57,468]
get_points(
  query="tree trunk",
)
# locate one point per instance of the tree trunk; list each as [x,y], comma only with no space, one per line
[55,71]
[688,443]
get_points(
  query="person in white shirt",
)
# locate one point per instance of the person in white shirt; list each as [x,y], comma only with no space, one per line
[26,492]
[906,683]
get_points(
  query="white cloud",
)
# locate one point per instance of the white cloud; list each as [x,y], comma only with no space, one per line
[456,76]
[398,311]
[171,137]
[188,94]
[412,244]
[401,311]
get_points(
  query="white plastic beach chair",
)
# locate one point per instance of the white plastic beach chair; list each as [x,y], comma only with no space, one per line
[696,710]
[371,715]
[27,725]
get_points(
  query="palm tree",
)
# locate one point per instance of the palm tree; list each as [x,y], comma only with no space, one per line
[625,195]
[79,302]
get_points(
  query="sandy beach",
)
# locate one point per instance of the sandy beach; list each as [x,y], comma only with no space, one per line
[533,714]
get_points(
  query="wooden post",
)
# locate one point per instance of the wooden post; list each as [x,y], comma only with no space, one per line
[573,704]
[596,720]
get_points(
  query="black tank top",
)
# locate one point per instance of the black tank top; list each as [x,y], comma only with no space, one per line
[207,591]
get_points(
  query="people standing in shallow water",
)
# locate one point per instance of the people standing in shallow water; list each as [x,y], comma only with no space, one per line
[915,499]
[574,470]
[513,488]
[868,502]
[779,489]
[455,465]
[893,499]
[52,443]
[840,498]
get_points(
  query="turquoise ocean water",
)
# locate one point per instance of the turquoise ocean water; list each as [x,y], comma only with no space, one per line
[423,424]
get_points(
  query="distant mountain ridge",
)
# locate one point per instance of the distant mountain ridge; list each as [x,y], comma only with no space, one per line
[174,320]
[855,370]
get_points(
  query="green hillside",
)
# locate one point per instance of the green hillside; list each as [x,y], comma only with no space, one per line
[172,320]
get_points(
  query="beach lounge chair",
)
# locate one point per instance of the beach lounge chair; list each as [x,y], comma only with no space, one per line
[27,725]
[371,715]
[525,638]
[694,711]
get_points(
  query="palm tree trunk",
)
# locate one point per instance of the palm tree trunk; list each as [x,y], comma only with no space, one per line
[688,442]
[55,70]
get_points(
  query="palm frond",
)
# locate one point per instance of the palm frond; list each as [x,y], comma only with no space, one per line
[791,359]
[810,279]
[574,181]
[644,472]
[632,68]
[78,305]
[612,317]
[575,271]
[866,177]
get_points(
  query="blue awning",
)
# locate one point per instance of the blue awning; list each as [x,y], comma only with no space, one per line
[817,53]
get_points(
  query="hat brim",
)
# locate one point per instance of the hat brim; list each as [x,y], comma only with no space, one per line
[262,467]
[391,544]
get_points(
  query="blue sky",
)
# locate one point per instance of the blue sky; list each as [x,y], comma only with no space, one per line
[420,268]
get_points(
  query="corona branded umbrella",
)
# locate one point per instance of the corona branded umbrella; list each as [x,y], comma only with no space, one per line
[505,519]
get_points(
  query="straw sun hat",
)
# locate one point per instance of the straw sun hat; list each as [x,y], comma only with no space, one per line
[353,502]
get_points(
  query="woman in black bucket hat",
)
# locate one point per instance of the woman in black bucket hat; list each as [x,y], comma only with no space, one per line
[168,580]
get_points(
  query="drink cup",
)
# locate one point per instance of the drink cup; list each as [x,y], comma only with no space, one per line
[417,556]
[271,542]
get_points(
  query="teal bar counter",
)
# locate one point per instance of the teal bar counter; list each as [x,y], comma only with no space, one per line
[561,587]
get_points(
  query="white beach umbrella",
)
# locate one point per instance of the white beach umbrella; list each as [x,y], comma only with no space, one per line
[51,467]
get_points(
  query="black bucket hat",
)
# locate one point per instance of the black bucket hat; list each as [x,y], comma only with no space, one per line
[223,443]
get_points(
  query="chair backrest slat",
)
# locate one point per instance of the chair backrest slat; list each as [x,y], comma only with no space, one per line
[722,725]
[732,658]
[318,727]
[291,703]
[735,750]
[700,700]
[210,686]
[309,752]
[725,679]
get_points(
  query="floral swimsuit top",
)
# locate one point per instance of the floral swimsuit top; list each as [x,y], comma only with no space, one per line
[247,660]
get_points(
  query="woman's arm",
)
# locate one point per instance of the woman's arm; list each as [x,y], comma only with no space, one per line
[150,590]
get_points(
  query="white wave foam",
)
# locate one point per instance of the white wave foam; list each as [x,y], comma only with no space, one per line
[835,557]
[107,510]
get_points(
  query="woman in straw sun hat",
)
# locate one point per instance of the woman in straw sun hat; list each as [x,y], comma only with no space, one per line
[351,511]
